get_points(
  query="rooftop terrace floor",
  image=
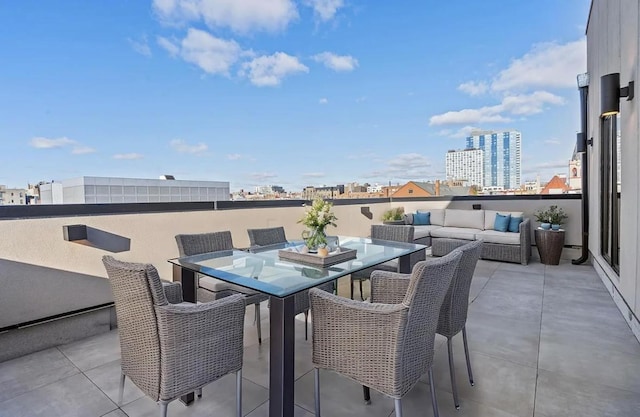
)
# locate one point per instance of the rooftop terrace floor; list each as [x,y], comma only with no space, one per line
[545,341]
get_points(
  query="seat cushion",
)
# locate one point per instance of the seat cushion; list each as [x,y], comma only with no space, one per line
[503,238]
[423,231]
[473,219]
[490,217]
[465,233]
[437,216]
[216,285]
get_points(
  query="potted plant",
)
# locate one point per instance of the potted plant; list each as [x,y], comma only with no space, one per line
[393,216]
[317,219]
[552,218]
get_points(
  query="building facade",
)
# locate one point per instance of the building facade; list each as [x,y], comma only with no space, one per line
[13,196]
[502,157]
[105,190]
[466,165]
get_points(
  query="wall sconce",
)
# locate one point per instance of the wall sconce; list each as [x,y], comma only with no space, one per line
[610,93]
[582,142]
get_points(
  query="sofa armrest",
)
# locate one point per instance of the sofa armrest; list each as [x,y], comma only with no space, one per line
[408,218]
[525,241]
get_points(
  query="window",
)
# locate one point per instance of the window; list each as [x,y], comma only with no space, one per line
[610,182]
[410,191]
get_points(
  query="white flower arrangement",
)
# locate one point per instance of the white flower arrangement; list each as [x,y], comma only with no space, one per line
[317,219]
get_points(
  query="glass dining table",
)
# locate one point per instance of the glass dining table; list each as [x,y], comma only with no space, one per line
[263,269]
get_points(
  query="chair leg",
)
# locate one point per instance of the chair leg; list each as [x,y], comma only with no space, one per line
[258,324]
[352,288]
[306,321]
[199,392]
[434,401]
[239,393]
[466,354]
[121,390]
[361,293]
[366,393]
[163,408]
[398,404]
[316,390]
[452,372]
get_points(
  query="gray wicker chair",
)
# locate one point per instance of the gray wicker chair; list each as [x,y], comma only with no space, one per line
[453,313]
[210,288]
[259,238]
[398,338]
[169,350]
[388,232]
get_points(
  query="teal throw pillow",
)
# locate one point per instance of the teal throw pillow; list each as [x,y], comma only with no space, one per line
[514,224]
[502,222]
[422,218]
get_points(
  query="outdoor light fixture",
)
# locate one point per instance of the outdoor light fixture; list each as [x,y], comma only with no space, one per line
[610,93]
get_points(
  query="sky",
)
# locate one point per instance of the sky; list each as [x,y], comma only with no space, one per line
[282,92]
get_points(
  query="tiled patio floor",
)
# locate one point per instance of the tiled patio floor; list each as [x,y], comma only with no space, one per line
[545,341]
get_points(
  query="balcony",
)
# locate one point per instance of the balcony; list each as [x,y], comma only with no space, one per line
[544,340]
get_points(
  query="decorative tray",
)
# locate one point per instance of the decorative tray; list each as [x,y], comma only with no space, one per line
[294,254]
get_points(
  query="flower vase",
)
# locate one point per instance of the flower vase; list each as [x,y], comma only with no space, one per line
[315,239]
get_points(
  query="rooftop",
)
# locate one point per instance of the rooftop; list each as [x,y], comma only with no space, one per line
[545,341]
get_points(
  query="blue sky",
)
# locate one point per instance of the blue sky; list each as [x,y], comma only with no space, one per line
[284,92]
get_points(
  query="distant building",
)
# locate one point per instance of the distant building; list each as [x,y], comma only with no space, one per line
[467,165]
[13,196]
[557,185]
[502,157]
[374,188]
[329,192]
[432,189]
[575,175]
[105,190]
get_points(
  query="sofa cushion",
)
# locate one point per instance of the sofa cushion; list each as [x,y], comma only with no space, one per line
[408,218]
[490,217]
[437,216]
[423,231]
[503,238]
[514,224]
[422,218]
[217,285]
[465,233]
[502,222]
[473,219]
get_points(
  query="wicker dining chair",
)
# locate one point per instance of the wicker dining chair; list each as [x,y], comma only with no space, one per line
[210,288]
[259,238]
[398,338]
[453,313]
[395,233]
[172,349]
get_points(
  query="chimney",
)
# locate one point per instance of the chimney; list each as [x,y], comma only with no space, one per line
[437,188]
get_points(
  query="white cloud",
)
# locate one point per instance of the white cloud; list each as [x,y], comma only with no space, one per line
[523,104]
[473,88]
[241,16]
[82,150]
[263,176]
[314,175]
[168,45]
[269,70]
[361,99]
[406,166]
[461,133]
[547,168]
[547,65]
[323,100]
[46,143]
[325,9]
[552,142]
[213,55]
[140,46]
[129,156]
[336,62]
[183,147]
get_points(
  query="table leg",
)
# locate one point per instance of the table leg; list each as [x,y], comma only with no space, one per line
[404,264]
[281,356]
[189,294]
[189,285]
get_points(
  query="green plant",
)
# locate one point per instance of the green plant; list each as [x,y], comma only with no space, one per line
[393,214]
[554,215]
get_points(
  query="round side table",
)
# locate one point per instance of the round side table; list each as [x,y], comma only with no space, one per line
[549,244]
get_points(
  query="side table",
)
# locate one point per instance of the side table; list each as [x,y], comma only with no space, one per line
[549,244]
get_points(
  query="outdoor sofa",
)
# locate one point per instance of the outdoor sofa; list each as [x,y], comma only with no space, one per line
[446,229]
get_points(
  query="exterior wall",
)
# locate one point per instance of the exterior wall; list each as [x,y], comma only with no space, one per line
[612,46]
[466,165]
[12,196]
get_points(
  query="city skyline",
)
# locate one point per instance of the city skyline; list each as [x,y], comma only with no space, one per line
[282,92]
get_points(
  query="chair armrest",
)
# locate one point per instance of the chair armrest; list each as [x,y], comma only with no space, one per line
[525,241]
[199,342]
[388,287]
[357,339]
[173,291]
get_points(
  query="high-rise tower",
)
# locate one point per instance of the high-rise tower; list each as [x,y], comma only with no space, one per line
[502,157]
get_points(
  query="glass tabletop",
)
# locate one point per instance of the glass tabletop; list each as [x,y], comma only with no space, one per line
[263,270]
